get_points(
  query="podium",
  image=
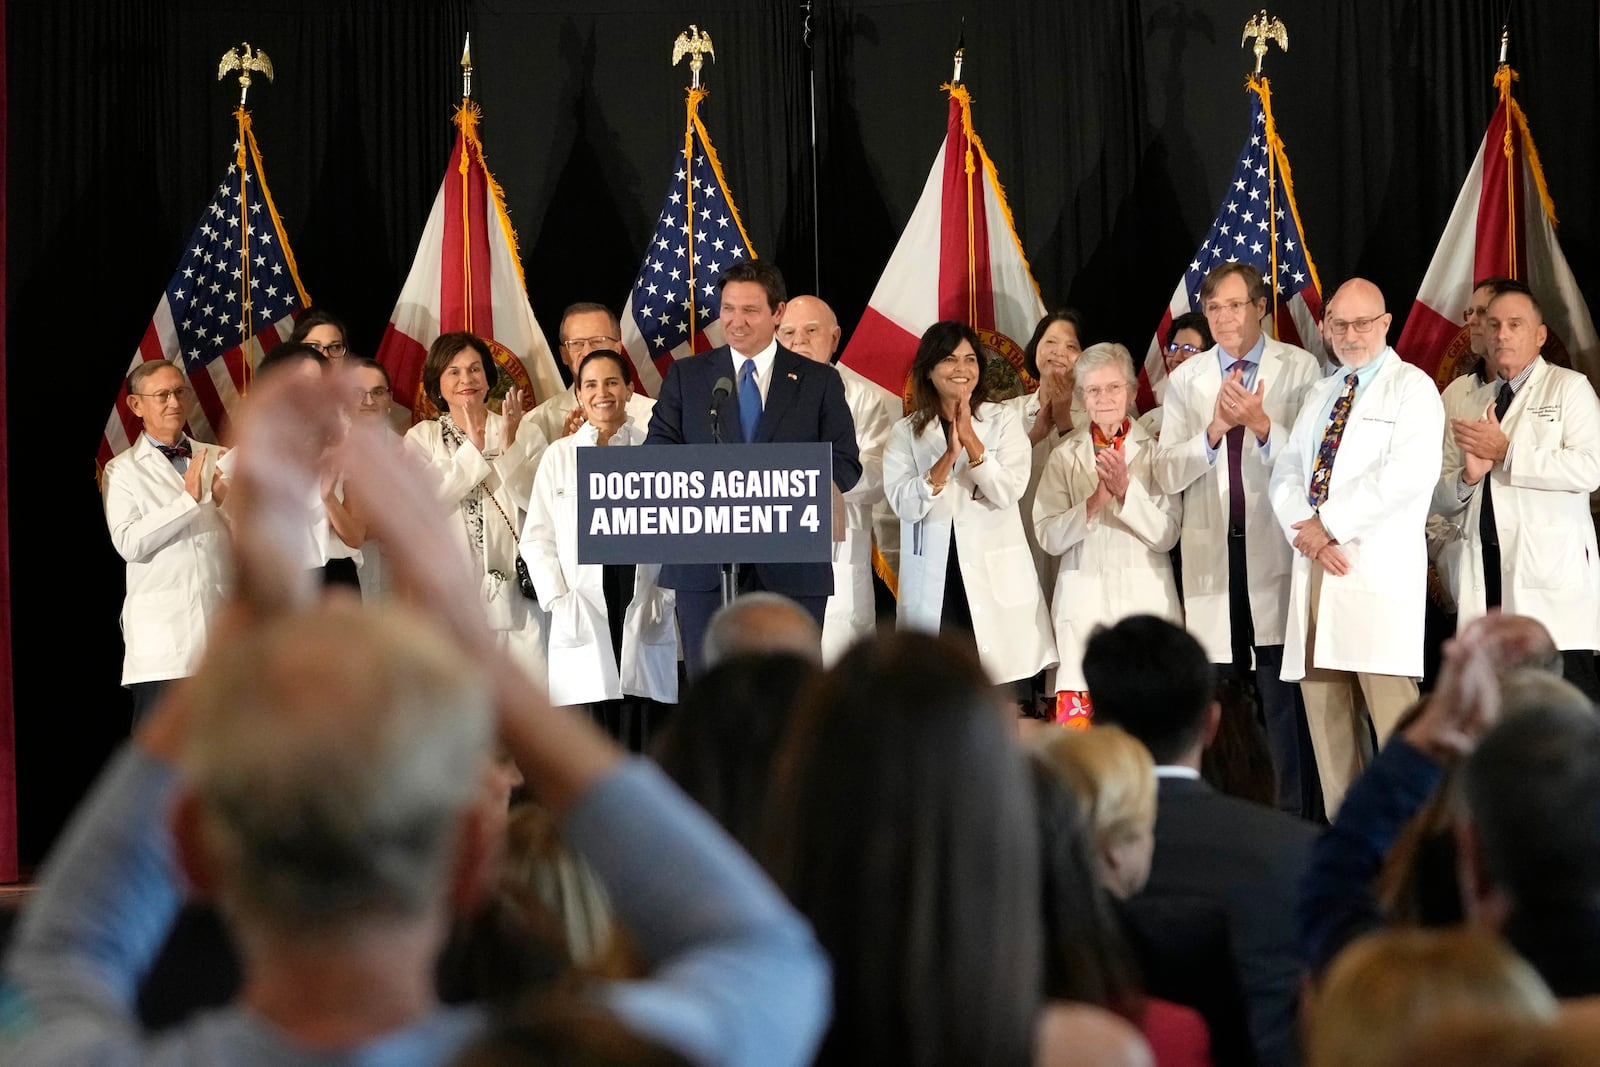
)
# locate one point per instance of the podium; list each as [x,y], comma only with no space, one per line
[708,504]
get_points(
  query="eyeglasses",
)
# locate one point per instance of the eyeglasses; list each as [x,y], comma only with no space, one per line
[181,393]
[1475,313]
[1217,307]
[375,394]
[1193,350]
[331,349]
[1095,392]
[575,343]
[1356,325]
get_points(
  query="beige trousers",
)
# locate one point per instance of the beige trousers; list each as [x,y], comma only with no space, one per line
[1338,705]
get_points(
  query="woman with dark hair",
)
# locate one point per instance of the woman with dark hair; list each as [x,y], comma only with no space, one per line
[721,740]
[324,331]
[1187,337]
[485,468]
[903,827]
[1050,357]
[954,471]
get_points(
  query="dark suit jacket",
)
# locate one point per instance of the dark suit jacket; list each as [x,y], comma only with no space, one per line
[1247,858]
[805,402]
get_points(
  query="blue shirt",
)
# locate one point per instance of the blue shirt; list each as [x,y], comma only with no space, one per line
[1225,362]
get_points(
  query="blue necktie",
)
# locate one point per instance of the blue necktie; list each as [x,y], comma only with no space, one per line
[749,400]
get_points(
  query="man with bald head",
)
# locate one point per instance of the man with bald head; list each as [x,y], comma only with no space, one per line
[809,328]
[1518,477]
[1351,491]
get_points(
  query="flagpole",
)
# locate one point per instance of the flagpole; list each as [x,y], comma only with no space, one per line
[1264,28]
[696,45]
[816,192]
[244,59]
[958,92]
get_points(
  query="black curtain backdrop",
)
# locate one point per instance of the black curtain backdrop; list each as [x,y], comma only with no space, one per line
[1113,125]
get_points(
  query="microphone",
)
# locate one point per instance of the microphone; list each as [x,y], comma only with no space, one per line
[719,393]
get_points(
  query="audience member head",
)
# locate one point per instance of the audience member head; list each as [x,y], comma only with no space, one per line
[1104,384]
[1418,884]
[809,328]
[586,327]
[1114,779]
[335,766]
[1233,297]
[1386,986]
[1086,958]
[1056,343]
[949,363]
[158,394]
[566,1029]
[1153,680]
[761,623]
[1530,834]
[459,372]
[902,827]
[1187,337]
[292,356]
[753,296]
[720,742]
[323,331]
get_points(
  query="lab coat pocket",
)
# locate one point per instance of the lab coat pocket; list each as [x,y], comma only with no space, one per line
[1012,577]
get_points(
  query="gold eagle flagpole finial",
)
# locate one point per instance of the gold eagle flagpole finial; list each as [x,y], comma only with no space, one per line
[1264,29]
[696,46]
[244,59]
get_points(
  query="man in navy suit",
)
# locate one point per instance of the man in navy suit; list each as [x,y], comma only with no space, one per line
[776,396]
[1155,681]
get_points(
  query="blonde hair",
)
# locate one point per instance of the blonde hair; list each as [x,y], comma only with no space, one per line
[1113,777]
[1385,987]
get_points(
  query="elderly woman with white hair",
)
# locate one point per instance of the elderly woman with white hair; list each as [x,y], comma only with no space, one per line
[1098,508]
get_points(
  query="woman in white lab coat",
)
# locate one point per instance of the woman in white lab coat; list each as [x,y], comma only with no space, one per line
[1099,510]
[953,471]
[484,467]
[613,632]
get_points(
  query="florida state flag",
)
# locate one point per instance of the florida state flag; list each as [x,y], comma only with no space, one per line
[467,276]
[1503,224]
[958,259]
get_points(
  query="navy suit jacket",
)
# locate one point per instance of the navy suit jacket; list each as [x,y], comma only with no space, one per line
[1247,859]
[805,402]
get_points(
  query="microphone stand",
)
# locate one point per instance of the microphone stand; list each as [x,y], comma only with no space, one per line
[730,571]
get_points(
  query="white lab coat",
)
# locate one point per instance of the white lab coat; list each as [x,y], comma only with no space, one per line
[176,550]
[1541,507]
[1114,564]
[1446,546]
[519,622]
[1183,467]
[582,669]
[851,611]
[978,506]
[1369,620]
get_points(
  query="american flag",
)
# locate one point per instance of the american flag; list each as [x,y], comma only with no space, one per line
[233,297]
[1258,224]
[673,308]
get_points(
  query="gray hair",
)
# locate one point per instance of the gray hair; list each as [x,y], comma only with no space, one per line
[332,757]
[1097,356]
[760,623]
